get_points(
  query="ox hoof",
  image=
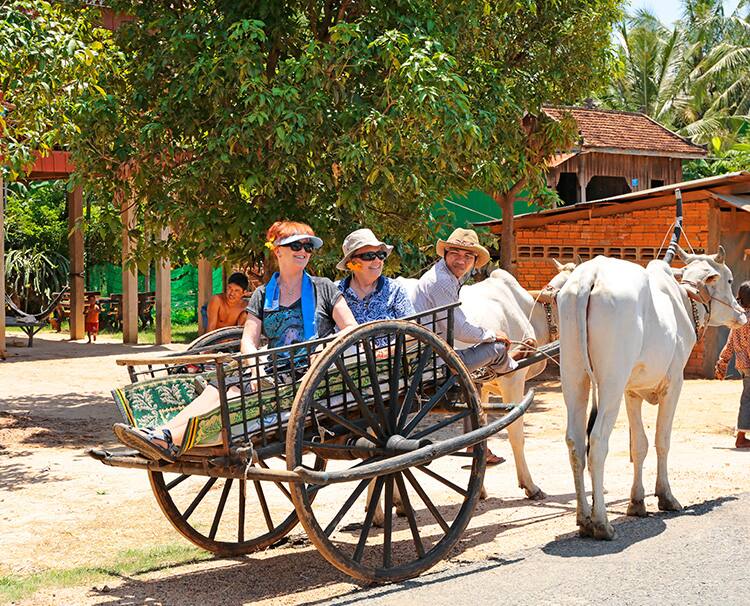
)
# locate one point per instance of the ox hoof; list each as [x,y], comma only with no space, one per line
[637,509]
[669,503]
[483,494]
[400,511]
[378,520]
[603,532]
[536,495]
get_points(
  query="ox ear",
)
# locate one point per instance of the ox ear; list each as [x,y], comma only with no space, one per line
[558,265]
[721,255]
[677,273]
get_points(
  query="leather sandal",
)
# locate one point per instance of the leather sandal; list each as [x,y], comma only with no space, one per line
[146,441]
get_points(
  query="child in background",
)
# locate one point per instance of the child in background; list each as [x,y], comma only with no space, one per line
[92,318]
[58,315]
[738,344]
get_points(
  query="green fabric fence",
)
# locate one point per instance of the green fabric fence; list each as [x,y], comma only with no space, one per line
[107,279]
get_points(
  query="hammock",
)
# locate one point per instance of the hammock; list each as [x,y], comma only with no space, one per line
[42,315]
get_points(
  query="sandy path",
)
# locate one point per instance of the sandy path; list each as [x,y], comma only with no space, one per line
[60,509]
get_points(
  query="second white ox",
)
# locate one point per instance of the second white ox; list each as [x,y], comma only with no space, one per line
[499,303]
[629,330]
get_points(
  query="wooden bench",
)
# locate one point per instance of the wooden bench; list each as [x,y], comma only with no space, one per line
[30,327]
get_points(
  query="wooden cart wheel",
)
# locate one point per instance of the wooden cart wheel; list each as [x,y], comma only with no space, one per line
[215,337]
[437,499]
[228,516]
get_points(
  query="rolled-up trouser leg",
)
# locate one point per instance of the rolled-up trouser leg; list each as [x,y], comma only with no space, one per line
[480,355]
[743,418]
[494,355]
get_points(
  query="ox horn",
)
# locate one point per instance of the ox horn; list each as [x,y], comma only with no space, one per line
[578,259]
[558,265]
[684,257]
[721,255]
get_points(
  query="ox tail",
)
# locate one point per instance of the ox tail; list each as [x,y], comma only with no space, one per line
[582,306]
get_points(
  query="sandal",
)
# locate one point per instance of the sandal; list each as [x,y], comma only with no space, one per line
[493,459]
[145,441]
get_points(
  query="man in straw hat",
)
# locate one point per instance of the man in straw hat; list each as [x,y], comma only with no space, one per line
[440,285]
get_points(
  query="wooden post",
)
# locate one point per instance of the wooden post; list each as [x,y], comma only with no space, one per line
[129,277]
[205,289]
[583,178]
[711,347]
[163,298]
[3,351]
[75,248]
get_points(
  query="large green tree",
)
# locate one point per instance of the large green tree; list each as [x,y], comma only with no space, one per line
[342,113]
[51,60]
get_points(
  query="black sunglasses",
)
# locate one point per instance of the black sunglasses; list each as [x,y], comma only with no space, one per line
[298,246]
[371,256]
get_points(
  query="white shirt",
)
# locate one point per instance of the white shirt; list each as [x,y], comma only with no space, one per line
[438,286]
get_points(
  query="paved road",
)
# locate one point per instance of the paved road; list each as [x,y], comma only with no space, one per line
[701,556]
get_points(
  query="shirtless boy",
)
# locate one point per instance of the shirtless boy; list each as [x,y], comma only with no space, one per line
[228,308]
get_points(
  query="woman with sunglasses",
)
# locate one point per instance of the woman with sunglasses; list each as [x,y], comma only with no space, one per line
[369,294]
[291,308]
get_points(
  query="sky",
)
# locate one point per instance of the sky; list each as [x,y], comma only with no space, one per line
[669,11]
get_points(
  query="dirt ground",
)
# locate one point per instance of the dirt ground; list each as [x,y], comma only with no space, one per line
[60,509]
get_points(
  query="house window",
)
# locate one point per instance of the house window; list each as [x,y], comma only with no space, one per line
[657,182]
[567,188]
[605,187]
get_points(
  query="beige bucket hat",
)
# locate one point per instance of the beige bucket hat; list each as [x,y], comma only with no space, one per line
[465,239]
[356,240]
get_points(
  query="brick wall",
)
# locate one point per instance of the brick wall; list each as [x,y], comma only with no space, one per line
[636,236]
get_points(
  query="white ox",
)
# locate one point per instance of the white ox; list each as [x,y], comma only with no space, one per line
[629,330]
[499,303]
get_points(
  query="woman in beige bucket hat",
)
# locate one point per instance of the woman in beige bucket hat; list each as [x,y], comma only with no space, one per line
[369,294]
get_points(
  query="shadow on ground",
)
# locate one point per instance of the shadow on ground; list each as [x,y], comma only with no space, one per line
[630,530]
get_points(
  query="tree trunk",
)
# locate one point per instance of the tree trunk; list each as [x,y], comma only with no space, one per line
[506,200]
[508,237]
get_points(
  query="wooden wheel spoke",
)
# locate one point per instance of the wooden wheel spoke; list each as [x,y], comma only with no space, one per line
[263,504]
[443,423]
[426,408]
[442,480]
[278,485]
[411,392]
[406,504]
[377,394]
[395,379]
[426,500]
[388,523]
[178,480]
[346,507]
[359,398]
[345,423]
[367,524]
[220,508]
[199,497]
[241,513]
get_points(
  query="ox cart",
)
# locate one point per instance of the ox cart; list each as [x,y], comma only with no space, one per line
[387,411]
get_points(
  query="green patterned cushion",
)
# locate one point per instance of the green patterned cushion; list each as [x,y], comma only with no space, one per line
[153,402]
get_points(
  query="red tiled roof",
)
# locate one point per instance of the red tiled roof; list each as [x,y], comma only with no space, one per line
[629,131]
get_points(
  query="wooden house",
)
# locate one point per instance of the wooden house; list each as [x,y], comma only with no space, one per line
[617,153]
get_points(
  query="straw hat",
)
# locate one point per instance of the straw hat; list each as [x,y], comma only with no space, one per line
[465,239]
[356,240]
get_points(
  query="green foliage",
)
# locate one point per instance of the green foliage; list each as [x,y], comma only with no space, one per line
[33,275]
[230,115]
[732,160]
[50,57]
[37,217]
[693,77]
